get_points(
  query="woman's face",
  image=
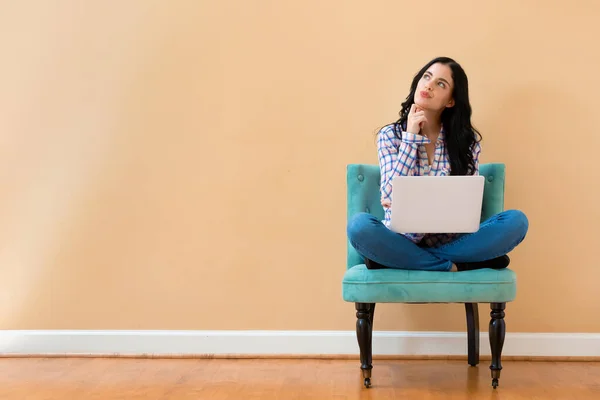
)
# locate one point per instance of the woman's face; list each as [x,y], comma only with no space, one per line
[434,90]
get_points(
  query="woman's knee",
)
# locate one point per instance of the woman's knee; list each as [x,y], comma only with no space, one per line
[518,221]
[360,226]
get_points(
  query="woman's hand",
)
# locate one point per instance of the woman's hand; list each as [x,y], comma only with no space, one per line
[416,119]
[386,204]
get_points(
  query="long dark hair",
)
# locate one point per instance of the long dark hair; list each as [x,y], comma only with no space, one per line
[460,135]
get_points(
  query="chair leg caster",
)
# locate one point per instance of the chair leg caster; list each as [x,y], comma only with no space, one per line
[495,377]
[367,377]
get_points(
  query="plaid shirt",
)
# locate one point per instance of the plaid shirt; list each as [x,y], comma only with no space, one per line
[408,156]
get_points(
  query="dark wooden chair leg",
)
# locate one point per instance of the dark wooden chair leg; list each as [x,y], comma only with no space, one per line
[472,311]
[364,334]
[497,334]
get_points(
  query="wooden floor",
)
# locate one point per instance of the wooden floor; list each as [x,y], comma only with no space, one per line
[181,379]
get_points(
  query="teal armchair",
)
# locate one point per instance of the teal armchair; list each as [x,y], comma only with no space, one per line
[366,287]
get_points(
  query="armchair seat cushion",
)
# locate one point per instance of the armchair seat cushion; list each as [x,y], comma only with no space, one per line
[388,285]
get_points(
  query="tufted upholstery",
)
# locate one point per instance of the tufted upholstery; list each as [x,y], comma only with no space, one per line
[390,285]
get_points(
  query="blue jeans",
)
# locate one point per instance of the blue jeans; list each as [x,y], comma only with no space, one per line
[497,236]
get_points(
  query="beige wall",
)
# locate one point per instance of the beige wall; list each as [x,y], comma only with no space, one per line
[132,132]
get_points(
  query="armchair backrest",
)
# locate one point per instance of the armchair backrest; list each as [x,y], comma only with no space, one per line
[362,185]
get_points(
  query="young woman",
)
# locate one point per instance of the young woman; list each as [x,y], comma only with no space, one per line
[433,136]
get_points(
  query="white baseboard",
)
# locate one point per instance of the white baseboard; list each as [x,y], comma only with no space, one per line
[273,343]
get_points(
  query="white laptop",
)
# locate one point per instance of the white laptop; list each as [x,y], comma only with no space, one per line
[436,204]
